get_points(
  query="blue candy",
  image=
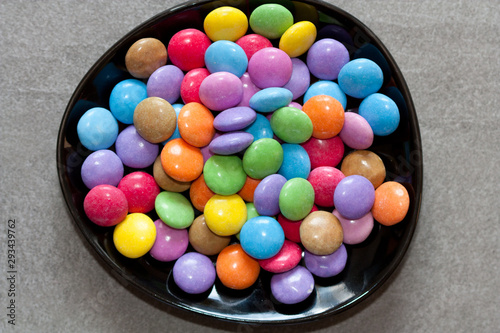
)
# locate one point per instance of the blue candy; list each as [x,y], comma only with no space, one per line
[296,162]
[97,129]
[328,88]
[262,237]
[226,56]
[124,98]
[381,113]
[260,129]
[360,78]
[270,99]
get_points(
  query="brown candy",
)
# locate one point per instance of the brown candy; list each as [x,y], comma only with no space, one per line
[155,119]
[204,240]
[145,56]
[364,163]
[165,181]
[321,233]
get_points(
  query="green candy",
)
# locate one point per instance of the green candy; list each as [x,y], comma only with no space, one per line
[174,209]
[291,125]
[224,174]
[262,158]
[271,20]
[296,199]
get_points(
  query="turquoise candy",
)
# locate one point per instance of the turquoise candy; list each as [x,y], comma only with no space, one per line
[260,129]
[270,99]
[224,175]
[291,125]
[262,158]
[174,209]
[296,199]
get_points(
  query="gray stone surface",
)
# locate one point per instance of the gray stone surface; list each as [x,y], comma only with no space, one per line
[449,281]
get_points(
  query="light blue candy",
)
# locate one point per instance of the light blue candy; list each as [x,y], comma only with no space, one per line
[97,129]
[176,134]
[381,113]
[262,237]
[270,99]
[260,128]
[360,78]
[226,56]
[124,98]
[329,88]
[296,162]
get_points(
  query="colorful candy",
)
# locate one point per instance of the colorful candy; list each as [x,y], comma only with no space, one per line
[271,20]
[296,199]
[293,286]
[155,119]
[391,203]
[194,273]
[225,23]
[236,269]
[170,243]
[97,129]
[187,47]
[262,237]
[326,266]
[141,191]
[224,174]
[124,98]
[135,151]
[105,205]
[135,235]
[174,209]
[298,38]
[204,240]
[225,214]
[102,167]
[321,233]
[145,56]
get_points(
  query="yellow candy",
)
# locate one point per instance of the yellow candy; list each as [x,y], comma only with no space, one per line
[225,23]
[298,38]
[135,235]
[225,214]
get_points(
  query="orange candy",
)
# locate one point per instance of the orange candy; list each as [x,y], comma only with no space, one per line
[326,114]
[248,189]
[181,161]
[196,124]
[200,193]
[236,269]
[391,203]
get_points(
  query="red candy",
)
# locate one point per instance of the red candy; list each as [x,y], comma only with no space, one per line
[292,228]
[105,205]
[190,85]
[324,152]
[140,189]
[287,258]
[324,181]
[253,43]
[186,49]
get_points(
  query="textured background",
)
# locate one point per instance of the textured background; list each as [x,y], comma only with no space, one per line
[449,281]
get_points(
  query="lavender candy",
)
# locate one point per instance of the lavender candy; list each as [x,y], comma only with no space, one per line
[230,143]
[267,193]
[102,167]
[234,119]
[293,286]
[354,197]
[194,273]
[326,266]
[134,150]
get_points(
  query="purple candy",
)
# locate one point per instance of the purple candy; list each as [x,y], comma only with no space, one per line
[326,57]
[326,266]
[194,273]
[266,195]
[293,286]
[357,132]
[295,105]
[170,243]
[220,91]
[234,119]
[300,80]
[270,67]
[206,152]
[354,197]
[165,83]
[230,143]
[249,89]
[102,167]
[355,231]
[134,150]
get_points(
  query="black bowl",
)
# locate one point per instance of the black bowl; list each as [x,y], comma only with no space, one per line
[369,263]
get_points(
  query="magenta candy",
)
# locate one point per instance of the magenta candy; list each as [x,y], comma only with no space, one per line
[300,79]
[326,57]
[249,89]
[252,43]
[102,167]
[354,197]
[355,231]
[326,266]
[170,243]
[105,205]
[186,49]
[287,258]
[295,105]
[324,152]
[134,150]
[293,286]
[234,119]
[357,132]
[230,143]
[220,91]
[266,195]
[194,273]
[270,67]
[165,83]
[324,181]
[141,190]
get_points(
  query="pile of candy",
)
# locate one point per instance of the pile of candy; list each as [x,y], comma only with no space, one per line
[241,171]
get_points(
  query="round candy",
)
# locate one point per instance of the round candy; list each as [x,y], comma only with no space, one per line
[391,203]
[145,56]
[187,47]
[262,237]
[124,98]
[204,240]
[226,56]
[326,57]
[293,286]
[135,235]
[252,43]
[170,243]
[234,119]
[356,132]
[360,78]
[296,199]
[326,88]
[135,151]
[266,195]
[194,273]
[236,269]
[296,162]
[270,20]
[260,128]
[165,82]
[141,190]
[321,233]
[326,114]
[327,152]
[291,125]
[225,23]
[262,158]
[297,39]
[249,89]
[270,99]
[165,181]
[195,123]
[292,228]
[300,79]
[190,85]
[231,143]
[102,167]
[155,119]
[287,258]
[355,231]
[381,113]
[270,67]
[225,214]
[324,180]
[364,163]
[220,91]
[97,129]
[174,209]
[181,161]
[354,197]
[224,174]
[105,205]
[327,265]
[200,193]
[248,190]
